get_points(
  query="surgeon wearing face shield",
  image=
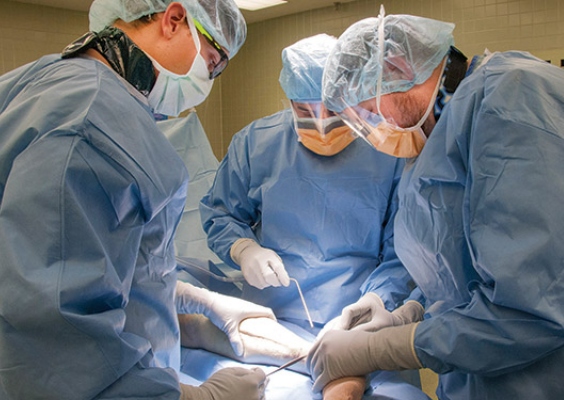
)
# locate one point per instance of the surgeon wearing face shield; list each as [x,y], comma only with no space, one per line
[479,226]
[91,193]
[291,199]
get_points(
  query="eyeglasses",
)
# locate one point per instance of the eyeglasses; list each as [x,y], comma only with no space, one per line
[220,66]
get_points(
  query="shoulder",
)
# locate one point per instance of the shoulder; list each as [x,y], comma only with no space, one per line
[523,88]
[267,129]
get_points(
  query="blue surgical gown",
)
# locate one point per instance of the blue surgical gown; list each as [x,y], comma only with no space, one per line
[328,218]
[90,194]
[481,229]
[190,141]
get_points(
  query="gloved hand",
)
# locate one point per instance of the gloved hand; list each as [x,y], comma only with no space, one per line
[369,314]
[261,267]
[225,312]
[357,353]
[228,384]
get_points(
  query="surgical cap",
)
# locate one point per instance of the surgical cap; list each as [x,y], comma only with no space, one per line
[220,18]
[413,48]
[302,67]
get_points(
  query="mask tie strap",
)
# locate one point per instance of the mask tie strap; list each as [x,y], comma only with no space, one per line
[381,46]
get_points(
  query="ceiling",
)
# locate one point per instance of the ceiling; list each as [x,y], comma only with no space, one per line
[291,7]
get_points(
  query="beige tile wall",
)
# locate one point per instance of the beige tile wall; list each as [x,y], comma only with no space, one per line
[249,87]
[28,31]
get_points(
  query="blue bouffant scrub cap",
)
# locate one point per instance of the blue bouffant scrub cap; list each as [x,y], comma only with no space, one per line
[413,48]
[302,67]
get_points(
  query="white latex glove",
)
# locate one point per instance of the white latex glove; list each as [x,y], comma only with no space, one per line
[225,312]
[261,267]
[228,384]
[369,314]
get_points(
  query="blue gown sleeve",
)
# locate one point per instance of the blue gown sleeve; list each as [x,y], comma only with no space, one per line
[227,212]
[70,231]
[390,280]
[502,139]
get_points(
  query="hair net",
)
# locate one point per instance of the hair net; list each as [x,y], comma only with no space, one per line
[413,48]
[220,18]
[302,67]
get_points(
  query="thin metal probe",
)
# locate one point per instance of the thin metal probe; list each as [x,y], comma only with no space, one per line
[288,364]
[303,301]
[186,264]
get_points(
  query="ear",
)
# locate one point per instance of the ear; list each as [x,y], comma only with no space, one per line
[173,20]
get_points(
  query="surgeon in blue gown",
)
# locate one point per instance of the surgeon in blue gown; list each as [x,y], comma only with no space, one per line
[90,195]
[298,197]
[480,222]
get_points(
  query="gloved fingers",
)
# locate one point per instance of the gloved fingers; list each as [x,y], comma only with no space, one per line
[258,377]
[257,311]
[374,300]
[334,324]
[236,382]
[353,316]
[274,273]
[260,374]
[278,267]
[236,342]
[412,311]
[374,325]
[233,333]
[255,278]
[263,383]
[316,366]
[358,313]
[246,309]
[270,277]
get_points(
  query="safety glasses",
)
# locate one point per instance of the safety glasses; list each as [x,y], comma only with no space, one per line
[220,66]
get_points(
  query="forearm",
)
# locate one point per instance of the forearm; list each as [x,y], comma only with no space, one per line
[495,340]
[391,282]
[348,388]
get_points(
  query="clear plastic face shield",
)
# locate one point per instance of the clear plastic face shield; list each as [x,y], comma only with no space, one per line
[380,129]
[319,129]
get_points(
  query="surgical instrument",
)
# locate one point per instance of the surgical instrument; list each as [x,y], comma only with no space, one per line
[186,264]
[288,364]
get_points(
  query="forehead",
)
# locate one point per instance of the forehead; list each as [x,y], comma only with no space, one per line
[313,109]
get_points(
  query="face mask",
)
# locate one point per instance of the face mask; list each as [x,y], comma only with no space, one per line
[174,93]
[327,138]
[395,141]
[454,72]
